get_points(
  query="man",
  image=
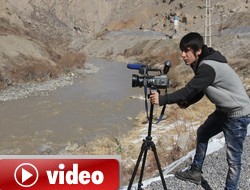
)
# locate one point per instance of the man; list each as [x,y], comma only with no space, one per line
[217,80]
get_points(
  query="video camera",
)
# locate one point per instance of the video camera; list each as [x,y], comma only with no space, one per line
[160,81]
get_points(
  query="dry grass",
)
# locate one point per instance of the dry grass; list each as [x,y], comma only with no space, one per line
[71,60]
[30,69]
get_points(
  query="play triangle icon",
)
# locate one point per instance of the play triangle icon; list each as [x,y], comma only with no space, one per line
[25,175]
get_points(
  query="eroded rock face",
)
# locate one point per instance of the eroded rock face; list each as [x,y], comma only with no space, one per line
[74,23]
[43,32]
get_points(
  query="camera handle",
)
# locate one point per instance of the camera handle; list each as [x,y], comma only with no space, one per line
[146,102]
[147,144]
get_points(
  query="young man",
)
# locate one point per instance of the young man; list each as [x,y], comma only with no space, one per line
[217,80]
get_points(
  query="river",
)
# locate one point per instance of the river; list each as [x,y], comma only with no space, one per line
[94,106]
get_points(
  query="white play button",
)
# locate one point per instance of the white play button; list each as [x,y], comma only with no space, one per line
[25,175]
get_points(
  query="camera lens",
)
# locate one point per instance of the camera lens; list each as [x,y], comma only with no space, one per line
[135,80]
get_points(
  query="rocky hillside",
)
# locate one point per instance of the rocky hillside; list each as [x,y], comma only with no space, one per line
[41,39]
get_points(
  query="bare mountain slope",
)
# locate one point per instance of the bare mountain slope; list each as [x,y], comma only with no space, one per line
[43,34]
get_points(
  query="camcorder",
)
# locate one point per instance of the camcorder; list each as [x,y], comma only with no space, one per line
[158,80]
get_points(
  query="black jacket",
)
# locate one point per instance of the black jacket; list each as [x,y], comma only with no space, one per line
[215,78]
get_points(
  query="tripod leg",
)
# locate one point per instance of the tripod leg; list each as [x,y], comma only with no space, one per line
[143,148]
[159,166]
[142,168]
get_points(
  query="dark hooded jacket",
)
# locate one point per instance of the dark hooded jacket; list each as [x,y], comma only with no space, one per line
[217,80]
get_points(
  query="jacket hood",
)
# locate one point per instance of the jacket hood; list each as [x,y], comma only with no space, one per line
[211,54]
[208,53]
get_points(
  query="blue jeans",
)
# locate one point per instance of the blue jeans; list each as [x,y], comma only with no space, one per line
[235,130]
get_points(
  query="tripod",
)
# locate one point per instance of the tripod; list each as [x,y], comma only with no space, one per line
[147,144]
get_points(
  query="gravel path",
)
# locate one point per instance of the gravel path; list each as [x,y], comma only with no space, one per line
[214,173]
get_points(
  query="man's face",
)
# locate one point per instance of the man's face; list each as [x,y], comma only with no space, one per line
[189,56]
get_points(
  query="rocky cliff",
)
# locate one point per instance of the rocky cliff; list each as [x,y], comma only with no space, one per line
[40,39]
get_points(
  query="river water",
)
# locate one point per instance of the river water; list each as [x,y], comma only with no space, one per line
[94,106]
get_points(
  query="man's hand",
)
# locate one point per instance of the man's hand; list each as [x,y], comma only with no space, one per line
[154,98]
